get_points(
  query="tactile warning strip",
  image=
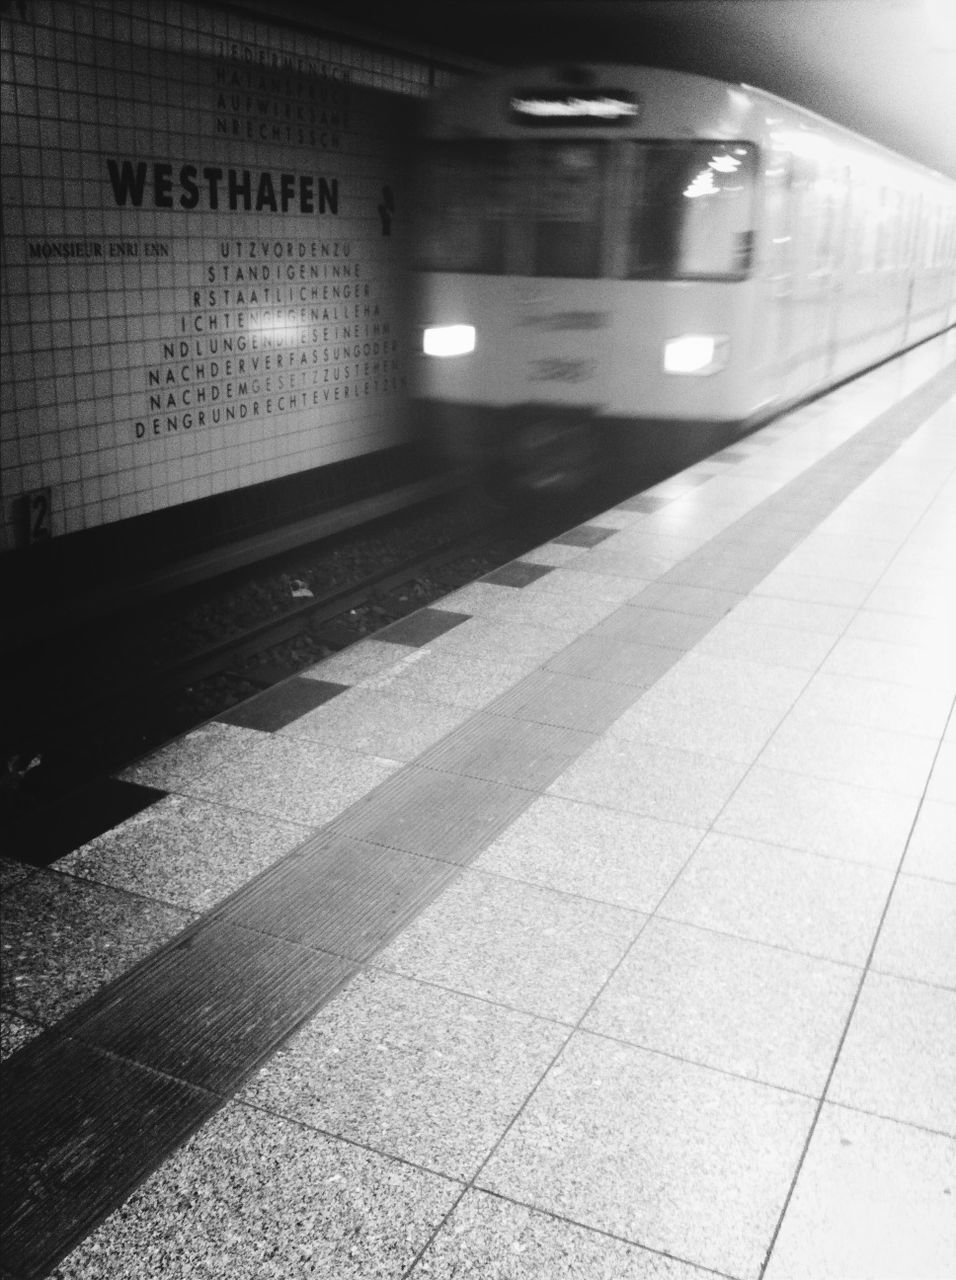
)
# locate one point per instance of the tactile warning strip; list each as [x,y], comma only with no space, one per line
[95,1104]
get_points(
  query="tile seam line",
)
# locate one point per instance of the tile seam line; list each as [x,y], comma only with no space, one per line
[849,1019]
[906,407]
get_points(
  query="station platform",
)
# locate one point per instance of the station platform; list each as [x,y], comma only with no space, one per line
[598,923]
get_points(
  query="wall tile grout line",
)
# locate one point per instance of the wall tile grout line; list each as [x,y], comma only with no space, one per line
[258,967]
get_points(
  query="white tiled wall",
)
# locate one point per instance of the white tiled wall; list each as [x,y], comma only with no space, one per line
[123,333]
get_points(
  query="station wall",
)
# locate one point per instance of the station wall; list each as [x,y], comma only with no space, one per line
[202,268]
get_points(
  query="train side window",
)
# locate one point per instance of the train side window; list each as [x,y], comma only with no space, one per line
[691,210]
[465,203]
[564,184]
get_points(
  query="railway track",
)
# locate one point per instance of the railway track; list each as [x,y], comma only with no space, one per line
[90,705]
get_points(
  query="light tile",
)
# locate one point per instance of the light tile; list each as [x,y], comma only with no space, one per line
[63,939]
[749,684]
[184,852]
[801,615]
[942,783]
[817,906]
[918,938]
[932,847]
[896,663]
[812,588]
[491,637]
[874,1199]
[488,1238]
[755,1010]
[294,779]
[359,661]
[876,704]
[700,725]
[182,762]
[450,678]
[712,1154]
[820,816]
[735,637]
[517,944]
[594,852]
[252,1195]
[658,782]
[409,1070]
[368,720]
[899,1056]
[862,756]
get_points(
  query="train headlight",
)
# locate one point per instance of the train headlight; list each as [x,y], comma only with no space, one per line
[699,353]
[449,340]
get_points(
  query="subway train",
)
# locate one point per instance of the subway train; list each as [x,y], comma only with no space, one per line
[613,256]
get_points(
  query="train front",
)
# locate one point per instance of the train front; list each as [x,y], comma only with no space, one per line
[582,239]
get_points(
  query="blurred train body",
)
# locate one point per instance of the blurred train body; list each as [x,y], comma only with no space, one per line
[622,254]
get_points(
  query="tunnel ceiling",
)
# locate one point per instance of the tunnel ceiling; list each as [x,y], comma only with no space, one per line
[886,68]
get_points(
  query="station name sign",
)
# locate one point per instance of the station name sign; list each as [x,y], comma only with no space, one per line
[191,186]
[573,106]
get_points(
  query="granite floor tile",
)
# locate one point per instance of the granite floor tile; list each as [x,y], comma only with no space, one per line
[184,852]
[712,1154]
[639,624]
[489,638]
[860,755]
[575,581]
[895,663]
[640,567]
[487,1238]
[918,938]
[754,1010]
[705,727]
[281,704]
[191,757]
[522,753]
[800,615]
[820,816]
[817,906]
[735,680]
[422,626]
[936,634]
[450,678]
[813,588]
[370,721]
[899,1056]
[874,1199]
[12,871]
[410,1070]
[687,599]
[517,944]
[293,779]
[252,1195]
[658,782]
[549,697]
[567,613]
[596,657]
[733,637]
[359,661]
[932,848]
[592,852]
[446,816]
[875,704]
[942,783]
[15,1033]
[63,939]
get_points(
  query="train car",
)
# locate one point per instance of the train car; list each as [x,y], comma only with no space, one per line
[611,253]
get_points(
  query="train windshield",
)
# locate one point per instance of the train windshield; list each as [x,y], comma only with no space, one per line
[589,209]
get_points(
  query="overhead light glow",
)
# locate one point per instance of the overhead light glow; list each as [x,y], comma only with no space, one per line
[702,185]
[449,340]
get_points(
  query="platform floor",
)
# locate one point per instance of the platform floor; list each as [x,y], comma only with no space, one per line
[599,923]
